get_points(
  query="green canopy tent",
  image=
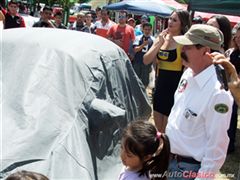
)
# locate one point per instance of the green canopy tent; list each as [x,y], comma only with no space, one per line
[230,7]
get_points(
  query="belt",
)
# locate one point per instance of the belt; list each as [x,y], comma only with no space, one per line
[185,159]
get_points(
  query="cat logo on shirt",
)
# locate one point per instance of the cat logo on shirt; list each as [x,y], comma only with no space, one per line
[182,85]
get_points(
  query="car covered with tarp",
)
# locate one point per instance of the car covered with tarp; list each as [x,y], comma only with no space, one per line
[66,97]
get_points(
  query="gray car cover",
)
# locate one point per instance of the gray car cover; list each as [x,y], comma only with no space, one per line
[66,97]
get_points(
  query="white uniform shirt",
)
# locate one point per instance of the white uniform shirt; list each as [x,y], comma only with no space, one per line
[99,25]
[198,123]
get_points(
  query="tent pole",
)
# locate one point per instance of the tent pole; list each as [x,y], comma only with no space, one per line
[191,12]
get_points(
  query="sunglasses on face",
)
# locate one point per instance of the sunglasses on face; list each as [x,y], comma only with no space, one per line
[122,16]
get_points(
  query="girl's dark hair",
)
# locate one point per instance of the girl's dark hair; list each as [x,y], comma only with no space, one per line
[140,138]
[184,18]
[225,27]
[26,175]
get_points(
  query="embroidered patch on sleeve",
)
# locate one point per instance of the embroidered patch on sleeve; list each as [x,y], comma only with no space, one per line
[221,108]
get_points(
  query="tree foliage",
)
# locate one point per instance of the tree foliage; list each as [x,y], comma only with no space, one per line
[62,3]
[183,1]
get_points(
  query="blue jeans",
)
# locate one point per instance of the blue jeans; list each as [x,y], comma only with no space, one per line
[182,170]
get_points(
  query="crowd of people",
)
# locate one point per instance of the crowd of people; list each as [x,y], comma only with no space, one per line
[194,117]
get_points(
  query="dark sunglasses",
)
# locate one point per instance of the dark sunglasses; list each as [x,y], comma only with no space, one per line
[122,17]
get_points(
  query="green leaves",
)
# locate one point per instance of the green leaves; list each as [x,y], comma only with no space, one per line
[183,1]
[62,3]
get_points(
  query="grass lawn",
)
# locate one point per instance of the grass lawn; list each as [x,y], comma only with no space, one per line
[231,166]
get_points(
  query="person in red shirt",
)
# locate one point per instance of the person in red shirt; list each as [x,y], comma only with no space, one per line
[12,18]
[122,34]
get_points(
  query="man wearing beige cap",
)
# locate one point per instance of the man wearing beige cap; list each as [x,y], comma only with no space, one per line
[199,120]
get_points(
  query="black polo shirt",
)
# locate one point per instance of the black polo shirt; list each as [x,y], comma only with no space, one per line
[13,21]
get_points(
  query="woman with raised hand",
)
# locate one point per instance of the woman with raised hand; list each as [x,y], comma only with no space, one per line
[167,54]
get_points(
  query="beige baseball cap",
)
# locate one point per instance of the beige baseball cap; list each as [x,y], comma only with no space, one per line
[202,34]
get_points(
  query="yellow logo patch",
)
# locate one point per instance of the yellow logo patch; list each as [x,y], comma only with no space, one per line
[163,55]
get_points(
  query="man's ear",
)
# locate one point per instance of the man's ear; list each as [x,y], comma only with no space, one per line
[206,50]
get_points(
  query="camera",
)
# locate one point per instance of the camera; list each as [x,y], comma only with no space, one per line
[221,76]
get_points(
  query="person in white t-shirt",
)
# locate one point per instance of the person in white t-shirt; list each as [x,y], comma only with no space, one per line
[103,25]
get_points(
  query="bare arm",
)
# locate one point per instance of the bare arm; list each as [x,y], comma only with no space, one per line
[51,24]
[167,40]
[140,47]
[150,56]
[233,79]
